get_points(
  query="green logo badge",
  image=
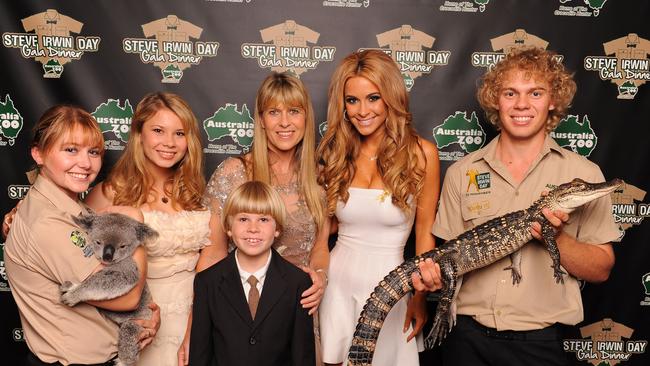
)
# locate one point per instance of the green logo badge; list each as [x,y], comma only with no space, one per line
[322,128]
[11,122]
[229,122]
[575,135]
[458,129]
[171,74]
[79,239]
[114,121]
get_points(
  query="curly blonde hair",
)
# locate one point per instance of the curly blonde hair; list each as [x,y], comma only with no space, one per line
[129,179]
[538,64]
[398,153]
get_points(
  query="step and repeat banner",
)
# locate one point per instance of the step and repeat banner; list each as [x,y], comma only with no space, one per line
[105,55]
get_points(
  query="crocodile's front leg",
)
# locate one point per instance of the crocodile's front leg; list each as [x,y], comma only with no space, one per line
[548,234]
[441,324]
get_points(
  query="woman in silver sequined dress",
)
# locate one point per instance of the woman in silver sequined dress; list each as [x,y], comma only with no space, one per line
[282,155]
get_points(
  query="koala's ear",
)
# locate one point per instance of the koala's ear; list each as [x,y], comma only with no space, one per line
[144,232]
[85,221]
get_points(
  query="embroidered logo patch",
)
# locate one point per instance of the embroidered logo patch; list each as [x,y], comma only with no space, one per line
[477,181]
[77,238]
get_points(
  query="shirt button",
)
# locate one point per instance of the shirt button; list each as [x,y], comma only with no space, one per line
[499,312]
[516,193]
[503,281]
[252,341]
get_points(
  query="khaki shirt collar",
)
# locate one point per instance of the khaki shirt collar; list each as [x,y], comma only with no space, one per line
[488,153]
[57,197]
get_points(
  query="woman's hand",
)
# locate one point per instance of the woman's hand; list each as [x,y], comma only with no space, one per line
[149,326]
[312,296]
[8,219]
[416,314]
[184,351]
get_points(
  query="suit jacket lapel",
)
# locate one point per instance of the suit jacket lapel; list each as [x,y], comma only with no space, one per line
[233,290]
[274,288]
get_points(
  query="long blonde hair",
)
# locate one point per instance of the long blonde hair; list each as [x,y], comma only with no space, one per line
[398,152]
[129,179]
[283,88]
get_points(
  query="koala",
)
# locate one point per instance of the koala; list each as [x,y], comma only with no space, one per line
[113,238]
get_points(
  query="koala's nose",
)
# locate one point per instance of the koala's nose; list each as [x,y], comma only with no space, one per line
[108,253]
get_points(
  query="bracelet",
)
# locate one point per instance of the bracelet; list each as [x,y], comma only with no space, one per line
[320,270]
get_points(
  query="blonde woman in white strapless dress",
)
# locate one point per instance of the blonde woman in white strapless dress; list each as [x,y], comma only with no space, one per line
[380,178]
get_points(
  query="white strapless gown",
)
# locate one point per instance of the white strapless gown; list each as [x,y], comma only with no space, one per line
[372,233]
[171,262]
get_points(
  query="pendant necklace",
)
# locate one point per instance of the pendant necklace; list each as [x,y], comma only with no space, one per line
[371,158]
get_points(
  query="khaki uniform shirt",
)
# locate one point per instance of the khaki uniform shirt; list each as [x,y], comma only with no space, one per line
[405,38]
[44,249]
[478,188]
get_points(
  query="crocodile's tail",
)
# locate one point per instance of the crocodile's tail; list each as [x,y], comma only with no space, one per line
[389,291]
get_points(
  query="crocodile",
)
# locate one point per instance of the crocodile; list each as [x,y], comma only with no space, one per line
[471,250]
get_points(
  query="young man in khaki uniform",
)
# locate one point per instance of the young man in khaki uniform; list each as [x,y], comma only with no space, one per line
[500,323]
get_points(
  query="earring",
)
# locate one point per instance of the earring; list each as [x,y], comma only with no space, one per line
[345,115]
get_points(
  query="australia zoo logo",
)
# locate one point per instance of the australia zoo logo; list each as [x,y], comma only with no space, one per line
[460,131]
[11,122]
[410,48]
[464,6]
[502,45]
[587,9]
[229,130]
[52,43]
[576,135]
[626,64]
[605,343]
[171,49]
[115,122]
[286,47]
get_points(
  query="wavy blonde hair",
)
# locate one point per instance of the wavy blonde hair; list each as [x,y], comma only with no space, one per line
[129,179]
[398,153]
[254,197]
[538,64]
[283,88]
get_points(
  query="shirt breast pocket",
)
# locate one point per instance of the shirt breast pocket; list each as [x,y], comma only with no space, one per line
[479,210]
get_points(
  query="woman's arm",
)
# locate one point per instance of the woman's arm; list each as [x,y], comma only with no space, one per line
[319,261]
[425,214]
[131,299]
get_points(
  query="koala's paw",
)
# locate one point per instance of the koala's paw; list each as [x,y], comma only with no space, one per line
[67,293]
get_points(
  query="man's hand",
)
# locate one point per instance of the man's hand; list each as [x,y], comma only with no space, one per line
[556,218]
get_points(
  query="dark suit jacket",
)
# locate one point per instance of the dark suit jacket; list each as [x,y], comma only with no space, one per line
[223,332]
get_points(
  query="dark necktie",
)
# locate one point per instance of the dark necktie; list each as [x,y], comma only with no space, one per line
[253,295]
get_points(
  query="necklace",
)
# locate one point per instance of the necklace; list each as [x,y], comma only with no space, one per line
[371,158]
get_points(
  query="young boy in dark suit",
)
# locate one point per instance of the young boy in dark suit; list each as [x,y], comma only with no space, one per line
[247,307]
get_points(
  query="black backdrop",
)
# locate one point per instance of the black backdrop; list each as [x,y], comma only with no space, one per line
[101,55]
